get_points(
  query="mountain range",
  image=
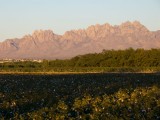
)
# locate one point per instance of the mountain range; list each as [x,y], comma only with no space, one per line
[44,44]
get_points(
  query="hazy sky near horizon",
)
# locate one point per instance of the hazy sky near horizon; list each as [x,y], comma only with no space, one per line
[20,17]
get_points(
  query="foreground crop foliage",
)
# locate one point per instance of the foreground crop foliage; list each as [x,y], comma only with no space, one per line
[140,100]
[142,103]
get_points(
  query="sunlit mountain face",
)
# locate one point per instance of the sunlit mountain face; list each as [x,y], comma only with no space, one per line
[44,44]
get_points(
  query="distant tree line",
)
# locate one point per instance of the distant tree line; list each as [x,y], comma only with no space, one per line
[107,60]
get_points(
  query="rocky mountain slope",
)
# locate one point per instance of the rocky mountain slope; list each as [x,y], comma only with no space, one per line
[44,44]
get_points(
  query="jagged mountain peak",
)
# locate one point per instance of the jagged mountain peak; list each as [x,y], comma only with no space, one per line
[136,22]
[43,34]
[98,30]
[99,27]
[44,44]
[135,25]
[39,32]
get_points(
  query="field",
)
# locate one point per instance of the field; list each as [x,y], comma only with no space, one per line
[80,96]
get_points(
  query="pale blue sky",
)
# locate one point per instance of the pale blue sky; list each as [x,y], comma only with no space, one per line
[20,17]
